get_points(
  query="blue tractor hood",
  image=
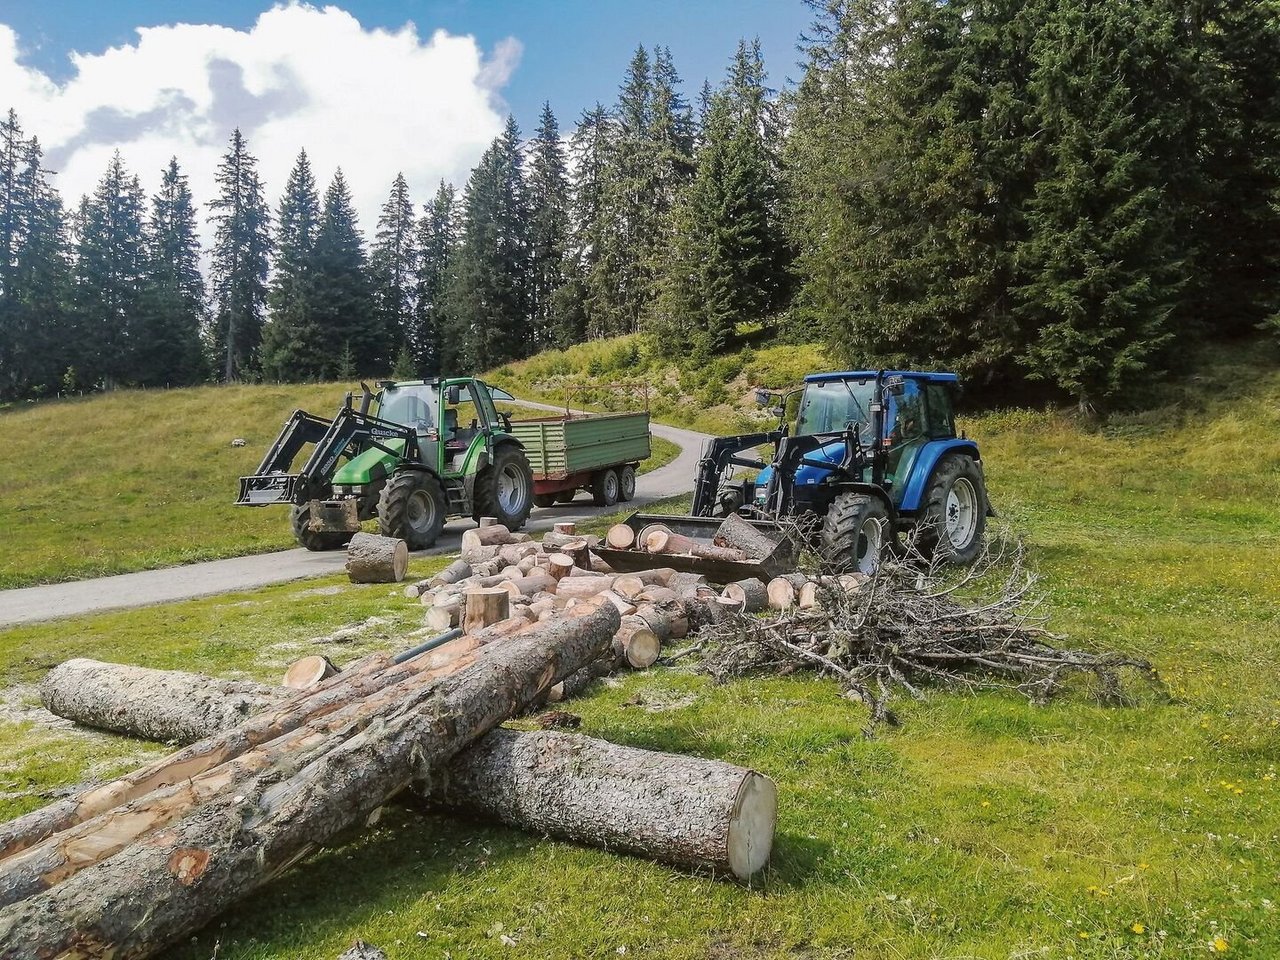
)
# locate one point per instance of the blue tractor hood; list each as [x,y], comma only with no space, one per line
[832,453]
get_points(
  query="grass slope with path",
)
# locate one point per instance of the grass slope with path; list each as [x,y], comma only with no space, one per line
[134,480]
[983,826]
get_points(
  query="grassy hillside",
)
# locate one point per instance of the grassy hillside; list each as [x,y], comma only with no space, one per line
[981,827]
[139,479]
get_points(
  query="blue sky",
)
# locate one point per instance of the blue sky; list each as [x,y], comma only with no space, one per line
[574,51]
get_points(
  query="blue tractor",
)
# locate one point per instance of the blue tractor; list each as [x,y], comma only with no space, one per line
[873,454]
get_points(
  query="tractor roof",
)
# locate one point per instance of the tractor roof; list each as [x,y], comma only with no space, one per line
[871,374]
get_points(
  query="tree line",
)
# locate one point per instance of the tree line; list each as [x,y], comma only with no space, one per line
[1058,190]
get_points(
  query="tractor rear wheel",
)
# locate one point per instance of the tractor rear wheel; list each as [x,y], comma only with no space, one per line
[504,489]
[856,533]
[953,518]
[412,507]
[300,521]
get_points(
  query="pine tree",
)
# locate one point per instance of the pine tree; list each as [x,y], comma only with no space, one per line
[242,242]
[292,345]
[1098,270]
[168,349]
[343,304]
[438,238]
[110,278]
[548,198]
[393,268]
[489,290]
[591,147]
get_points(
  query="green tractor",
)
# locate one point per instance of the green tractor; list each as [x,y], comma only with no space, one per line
[413,455]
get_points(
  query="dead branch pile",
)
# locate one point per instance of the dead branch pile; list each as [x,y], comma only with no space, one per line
[912,622]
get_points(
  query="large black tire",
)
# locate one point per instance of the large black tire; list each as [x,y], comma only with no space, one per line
[412,507]
[626,483]
[605,489]
[566,496]
[300,517]
[856,533]
[504,489]
[953,514]
[544,499]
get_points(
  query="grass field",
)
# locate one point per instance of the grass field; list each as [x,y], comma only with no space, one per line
[981,827]
[134,480]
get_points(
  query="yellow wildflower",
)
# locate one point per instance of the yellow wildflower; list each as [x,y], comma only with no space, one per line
[1219,945]
[1138,928]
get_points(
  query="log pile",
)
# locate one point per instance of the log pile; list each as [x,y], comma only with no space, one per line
[271,774]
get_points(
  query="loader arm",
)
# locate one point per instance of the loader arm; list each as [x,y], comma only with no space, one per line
[720,453]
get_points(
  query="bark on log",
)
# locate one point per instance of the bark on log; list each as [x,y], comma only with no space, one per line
[576,588]
[485,606]
[375,559]
[668,622]
[458,570]
[642,538]
[635,645]
[158,890]
[483,543]
[149,703]
[683,811]
[684,584]
[750,593]
[674,543]
[620,537]
[597,564]
[445,615]
[559,565]
[736,532]
[556,542]
[625,606]
[305,673]
[565,527]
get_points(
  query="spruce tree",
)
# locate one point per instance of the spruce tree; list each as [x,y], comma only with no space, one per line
[393,268]
[292,348]
[343,304]
[168,349]
[242,242]
[591,148]
[438,238]
[548,198]
[1098,276]
[489,290]
[110,276]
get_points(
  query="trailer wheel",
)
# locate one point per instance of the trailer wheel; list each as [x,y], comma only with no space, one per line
[626,482]
[300,521]
[604,488]
[544,499]
[856,533]
[954,517]
[504,489]
[566,496]
[412,507]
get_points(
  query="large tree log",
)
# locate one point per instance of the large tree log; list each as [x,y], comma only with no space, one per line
[736,532]
[663,541]
[153,704]
[750,593]
[375,559]
[680,810]
[161,888]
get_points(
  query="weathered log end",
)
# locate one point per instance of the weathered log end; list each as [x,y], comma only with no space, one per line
[751,827]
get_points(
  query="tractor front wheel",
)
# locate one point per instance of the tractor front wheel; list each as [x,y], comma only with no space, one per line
[954,517]
[300,522]
[412,507]
[505,488]
[856,533]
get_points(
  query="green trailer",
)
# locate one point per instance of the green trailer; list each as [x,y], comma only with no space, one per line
[595,452]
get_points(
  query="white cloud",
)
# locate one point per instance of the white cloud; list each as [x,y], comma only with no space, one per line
[373,102]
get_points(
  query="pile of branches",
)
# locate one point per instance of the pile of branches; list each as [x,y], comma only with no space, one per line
[918,621]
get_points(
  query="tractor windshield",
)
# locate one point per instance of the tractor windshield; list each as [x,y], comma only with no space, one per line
[832,405]
[413,405]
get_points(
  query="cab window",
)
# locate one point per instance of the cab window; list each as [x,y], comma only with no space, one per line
[939,418]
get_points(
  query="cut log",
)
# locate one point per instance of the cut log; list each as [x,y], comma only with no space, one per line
[557,542]
[536,582]
[565,527]
[578,587]
[153,704]
[751,593]
[597,564]
[782,595]
[458,570]
[647,531]
[513,553]
[683,811]
[156,891]
[628,586]
[684,584]
[635,645]
[664,541]
[375,559]
[656,594]
[807,597]
[488,522]
[559,565]
[737,533]
[620,537]
[625,606]
[484,606]
[527,564]
[444,615]
[306,673]
[667,622]
[483,543]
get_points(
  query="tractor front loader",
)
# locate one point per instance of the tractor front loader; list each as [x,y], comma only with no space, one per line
[412,465]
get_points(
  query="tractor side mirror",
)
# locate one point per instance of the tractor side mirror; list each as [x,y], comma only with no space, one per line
[764,398]
[779,411]
[452,395]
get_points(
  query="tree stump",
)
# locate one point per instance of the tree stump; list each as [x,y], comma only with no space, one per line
[375,559]
[484,606]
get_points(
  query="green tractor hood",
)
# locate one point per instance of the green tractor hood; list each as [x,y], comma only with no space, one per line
[373,464]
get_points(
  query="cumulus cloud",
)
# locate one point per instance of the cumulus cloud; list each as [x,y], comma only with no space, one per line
[370,101]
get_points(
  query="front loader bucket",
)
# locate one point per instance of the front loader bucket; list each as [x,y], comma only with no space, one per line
[781,560]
